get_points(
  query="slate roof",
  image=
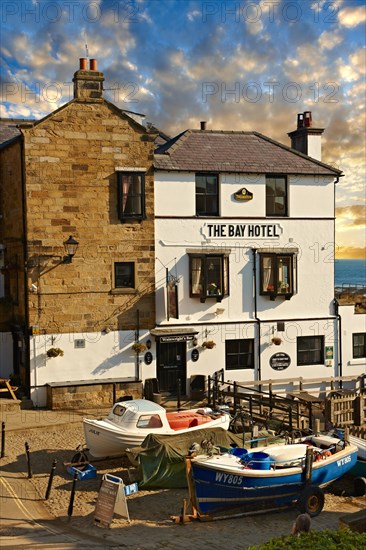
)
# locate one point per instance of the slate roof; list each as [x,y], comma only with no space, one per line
[9,131]
[225,151]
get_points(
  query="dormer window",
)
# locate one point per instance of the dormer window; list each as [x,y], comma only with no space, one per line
[278,274]
[209,276]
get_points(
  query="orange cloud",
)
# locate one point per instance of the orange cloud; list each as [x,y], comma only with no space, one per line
[350,253]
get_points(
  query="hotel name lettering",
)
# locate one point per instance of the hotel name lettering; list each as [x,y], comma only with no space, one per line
[246,230]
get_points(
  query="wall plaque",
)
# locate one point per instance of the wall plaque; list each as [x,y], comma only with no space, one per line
[280,361]
[195,355]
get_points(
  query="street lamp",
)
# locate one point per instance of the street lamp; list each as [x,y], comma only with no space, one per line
[71,246]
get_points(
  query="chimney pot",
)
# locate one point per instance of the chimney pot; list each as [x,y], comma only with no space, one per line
[93,65]
[83,64]
[203,125]
[300,120]
[308,119]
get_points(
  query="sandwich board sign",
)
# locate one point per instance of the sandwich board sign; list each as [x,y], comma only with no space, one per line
[112,500]
[109,499]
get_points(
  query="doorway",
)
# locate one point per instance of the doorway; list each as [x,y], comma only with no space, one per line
[172,366]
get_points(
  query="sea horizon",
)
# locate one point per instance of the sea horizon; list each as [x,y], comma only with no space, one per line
[350,272]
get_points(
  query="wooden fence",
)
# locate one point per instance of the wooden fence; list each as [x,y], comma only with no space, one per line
[341,407]
[346,410]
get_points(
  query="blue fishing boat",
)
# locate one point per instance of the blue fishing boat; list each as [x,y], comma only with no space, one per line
[273,476]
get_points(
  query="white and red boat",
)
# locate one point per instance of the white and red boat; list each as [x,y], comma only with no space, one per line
[129,422]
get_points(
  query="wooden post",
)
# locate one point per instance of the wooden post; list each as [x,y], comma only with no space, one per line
[308,464]
[2,439]
[191,491]
[317,426]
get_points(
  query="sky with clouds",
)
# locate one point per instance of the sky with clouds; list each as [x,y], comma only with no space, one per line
[239,65]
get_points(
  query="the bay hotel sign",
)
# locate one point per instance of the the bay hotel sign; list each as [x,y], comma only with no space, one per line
[244,230]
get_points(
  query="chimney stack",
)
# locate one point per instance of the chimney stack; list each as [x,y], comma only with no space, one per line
[203,125]
[88,83]
[305,138]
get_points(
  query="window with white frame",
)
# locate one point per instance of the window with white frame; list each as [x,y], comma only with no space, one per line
[209,276]
[239,354]
[310,350]
[359,345]
[278,274]
[131,195]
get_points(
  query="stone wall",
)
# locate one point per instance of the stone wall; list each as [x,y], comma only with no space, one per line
[12,234]
[71,159]
[90,396]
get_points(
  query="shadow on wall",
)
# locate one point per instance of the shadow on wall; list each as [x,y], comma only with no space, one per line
[108,364]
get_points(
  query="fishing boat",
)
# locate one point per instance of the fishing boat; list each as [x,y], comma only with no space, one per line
[272,477]
[129,422]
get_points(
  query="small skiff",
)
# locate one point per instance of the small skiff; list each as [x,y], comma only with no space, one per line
[276,476]
[129,422]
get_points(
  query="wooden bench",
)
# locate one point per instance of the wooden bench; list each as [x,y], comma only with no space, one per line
[8,387]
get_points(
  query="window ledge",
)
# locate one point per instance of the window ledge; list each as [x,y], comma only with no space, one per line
[358,361]
[123,291]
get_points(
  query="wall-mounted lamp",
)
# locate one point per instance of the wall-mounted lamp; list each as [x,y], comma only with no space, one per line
[71,246]
[195,341]
[148,343]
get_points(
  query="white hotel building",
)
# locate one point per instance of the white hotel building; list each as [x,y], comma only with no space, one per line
[245,230]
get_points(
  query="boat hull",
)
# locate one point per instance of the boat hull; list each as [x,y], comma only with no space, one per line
[217,489]
[104,438]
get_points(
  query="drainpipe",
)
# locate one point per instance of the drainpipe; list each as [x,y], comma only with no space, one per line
[336,303]
[25,276]
[339,350]
[254,250]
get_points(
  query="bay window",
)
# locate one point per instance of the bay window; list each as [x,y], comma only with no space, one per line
[278,274]
[209,276]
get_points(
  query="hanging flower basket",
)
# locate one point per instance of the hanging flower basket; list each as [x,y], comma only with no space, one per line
[209,344]
[138,347]
[276,341]
[54,352]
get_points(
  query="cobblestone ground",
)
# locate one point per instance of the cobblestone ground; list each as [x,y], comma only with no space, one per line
[150,527]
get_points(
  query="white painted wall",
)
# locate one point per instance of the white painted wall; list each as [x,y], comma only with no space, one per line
[309,312]
[309,196]
[104,356]
[315,270]
[351,323]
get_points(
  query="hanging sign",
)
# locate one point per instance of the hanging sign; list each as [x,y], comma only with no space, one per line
[172,301]
[280,361]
